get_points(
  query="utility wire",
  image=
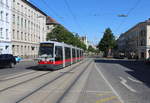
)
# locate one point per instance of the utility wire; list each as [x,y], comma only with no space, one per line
[73,16]
[128,13]
[50,9]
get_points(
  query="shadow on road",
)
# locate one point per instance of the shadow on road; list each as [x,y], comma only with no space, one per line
[139,69]
[37,68]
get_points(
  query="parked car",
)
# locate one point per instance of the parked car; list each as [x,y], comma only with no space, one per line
[18,59]
[7,60]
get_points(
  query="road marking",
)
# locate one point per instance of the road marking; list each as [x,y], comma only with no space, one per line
[134,80]
[124,81]
[116,102]
[103,94]
[106,99]
[101,74]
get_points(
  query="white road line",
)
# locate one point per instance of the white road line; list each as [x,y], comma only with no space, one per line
[101,74]
[134,80]
[123,82]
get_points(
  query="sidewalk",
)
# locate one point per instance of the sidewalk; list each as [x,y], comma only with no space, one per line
[23,60]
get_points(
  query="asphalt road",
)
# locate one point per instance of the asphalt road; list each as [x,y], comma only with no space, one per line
[130,79]
[21,67]
[89,81]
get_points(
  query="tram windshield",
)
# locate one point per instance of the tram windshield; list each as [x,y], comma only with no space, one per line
[46,49]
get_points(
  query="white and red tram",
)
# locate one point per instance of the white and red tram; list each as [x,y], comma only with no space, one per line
[55,55]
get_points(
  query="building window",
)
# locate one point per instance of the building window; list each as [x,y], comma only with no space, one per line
[7,3]
[7,34]
[18,20]
[28,24]
[25,36]
[21,22]
[13,18]
[6,17]
[1,15]
[17,35]
[1,32]
[6,47]
[47,27]
[25,23]
[21,35]
[13,34]
[22,8]
[32,48]
[13,4]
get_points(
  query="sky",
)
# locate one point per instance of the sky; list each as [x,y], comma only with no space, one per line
[92,17]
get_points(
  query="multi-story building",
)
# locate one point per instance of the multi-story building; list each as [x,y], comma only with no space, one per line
[28,28]
[135,43]
[5,27]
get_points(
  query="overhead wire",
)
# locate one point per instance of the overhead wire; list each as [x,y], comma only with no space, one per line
[73,16]
[50,9]
[128,13]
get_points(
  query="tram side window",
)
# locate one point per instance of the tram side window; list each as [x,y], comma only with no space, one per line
[67,53]
[80,53]
[73,53]
[77,53]
[58,53]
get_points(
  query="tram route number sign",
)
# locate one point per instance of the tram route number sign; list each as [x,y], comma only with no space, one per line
[47,45]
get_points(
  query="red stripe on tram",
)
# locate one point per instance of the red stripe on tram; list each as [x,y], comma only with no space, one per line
[59,62]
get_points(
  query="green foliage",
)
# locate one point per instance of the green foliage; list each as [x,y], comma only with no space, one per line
[91,49]
[107,42]
[60,34]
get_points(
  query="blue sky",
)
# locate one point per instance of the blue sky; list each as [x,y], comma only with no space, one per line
[92,17]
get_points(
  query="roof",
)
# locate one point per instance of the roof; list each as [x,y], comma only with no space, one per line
[50,20]
[34,7]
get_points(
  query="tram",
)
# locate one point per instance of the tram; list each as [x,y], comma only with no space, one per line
[56,55]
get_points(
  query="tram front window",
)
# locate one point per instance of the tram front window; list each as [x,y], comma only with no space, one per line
[46,49]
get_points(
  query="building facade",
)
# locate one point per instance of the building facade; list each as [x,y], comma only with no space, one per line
[5,27]
[135,43]
[28,28]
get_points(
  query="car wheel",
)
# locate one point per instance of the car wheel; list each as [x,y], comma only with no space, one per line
[12,65]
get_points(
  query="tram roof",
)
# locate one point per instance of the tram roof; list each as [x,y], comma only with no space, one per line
[61,43]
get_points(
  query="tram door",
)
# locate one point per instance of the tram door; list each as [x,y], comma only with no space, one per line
[59,56]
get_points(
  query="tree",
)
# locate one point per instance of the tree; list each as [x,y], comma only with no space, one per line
[107,43]
[60,34]
[91,49]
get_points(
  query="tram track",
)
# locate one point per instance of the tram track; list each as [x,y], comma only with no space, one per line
[28,80]
[72,84]
[48,83]
[16,76]
[37,77]
[57,82]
